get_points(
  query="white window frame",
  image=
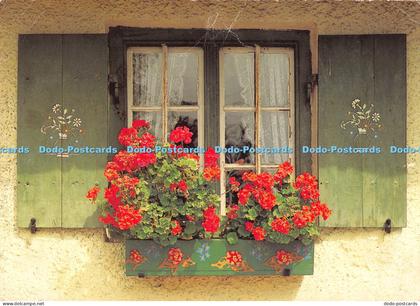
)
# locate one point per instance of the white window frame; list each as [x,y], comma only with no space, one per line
[257,109]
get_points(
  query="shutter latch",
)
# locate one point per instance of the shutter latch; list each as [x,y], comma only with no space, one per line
[32,226]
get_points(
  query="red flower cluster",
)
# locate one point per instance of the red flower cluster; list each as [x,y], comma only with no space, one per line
[259,233]
[249,226]
[280,225]
[211,174]
[211,158]
[129,162]
[181,186]
[284,170]
[234,184]
[211,170]
[308,186]
[129,137]
[181,134]
[284,258]
[211,220]
[124,218]
[232,214]
[234,258]
[176,228]
[138,124]
[175,256]
[92,194]
[260,186]
[321,209]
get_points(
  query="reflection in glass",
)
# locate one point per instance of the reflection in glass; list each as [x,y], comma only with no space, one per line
[147,79]
[188,119]
[239,133]
[239,79]
[183,78]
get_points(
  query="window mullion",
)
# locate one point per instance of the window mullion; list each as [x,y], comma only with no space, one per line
[257,105]
[165,92]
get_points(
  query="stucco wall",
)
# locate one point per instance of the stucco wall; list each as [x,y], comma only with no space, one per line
[77,264]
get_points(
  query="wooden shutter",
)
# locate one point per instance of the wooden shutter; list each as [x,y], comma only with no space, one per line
[363,190]
[69,71]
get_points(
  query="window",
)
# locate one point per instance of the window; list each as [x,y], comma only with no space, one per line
[256,111]
[247,88]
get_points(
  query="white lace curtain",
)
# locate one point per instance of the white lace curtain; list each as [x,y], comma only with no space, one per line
[274,78]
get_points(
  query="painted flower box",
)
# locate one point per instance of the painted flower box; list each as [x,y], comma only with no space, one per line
[217,257]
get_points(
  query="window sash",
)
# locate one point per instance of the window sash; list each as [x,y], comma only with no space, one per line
[164,108]
[257,110]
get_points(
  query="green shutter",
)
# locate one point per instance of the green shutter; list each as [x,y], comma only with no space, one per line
[69,70]
[363,190]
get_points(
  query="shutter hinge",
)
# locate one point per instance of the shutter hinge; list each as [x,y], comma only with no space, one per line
[310,86]
[32,226]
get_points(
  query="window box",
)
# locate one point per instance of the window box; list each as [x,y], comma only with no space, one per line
[217,257]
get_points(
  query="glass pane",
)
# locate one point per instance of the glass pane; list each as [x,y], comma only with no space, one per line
[239,133]
[147,79]
[188,119]
[183,78]
[155,119]
[231,196]
[239,79]
[274,80]
[275,135]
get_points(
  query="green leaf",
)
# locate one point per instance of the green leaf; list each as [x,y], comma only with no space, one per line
[243,232]
[252,214]
[232,238]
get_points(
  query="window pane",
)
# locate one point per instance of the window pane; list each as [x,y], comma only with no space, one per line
[274,134]
[239,133]
[239,79]
[147,79]
[155,119]
[188,119]
[183,78]
[274,80]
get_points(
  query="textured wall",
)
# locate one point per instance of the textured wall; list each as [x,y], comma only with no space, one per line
[65,264]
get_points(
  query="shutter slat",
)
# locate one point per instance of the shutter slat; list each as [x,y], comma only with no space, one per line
[39,88]
[85,62]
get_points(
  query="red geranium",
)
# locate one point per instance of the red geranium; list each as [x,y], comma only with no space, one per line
[249,226]
[128,136]
[259,233]
[232,214]
[92,194]
[281,225]
[284,170]
[176,228]
[211,158]
[211,173]
[181,135]
[211,220]
[124,218]
[138,124]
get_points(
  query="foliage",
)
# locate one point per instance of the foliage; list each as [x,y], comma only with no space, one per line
[165,195]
